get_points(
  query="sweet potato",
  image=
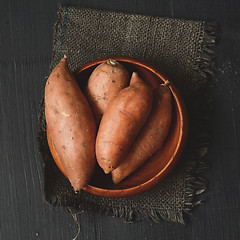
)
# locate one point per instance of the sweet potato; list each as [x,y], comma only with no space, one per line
[151,137]
[105,82]
[71,125]
[121,122]
[54,153]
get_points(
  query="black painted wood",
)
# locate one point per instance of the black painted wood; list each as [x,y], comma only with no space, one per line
[25,53]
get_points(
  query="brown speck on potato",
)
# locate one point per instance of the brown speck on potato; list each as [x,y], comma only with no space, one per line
[68,79]
[130,134]
[67,93]
[103,71]
[64,147]
[56,75]
[110,169]
[85,143]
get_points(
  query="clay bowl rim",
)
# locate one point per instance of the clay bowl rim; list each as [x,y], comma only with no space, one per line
[135,190]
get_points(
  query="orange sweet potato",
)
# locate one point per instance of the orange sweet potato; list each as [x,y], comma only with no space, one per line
[54,154]
[71,125]
[105,82]
[151,137]
[121,122]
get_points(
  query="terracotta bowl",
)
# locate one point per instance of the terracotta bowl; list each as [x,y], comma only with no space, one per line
[156,168]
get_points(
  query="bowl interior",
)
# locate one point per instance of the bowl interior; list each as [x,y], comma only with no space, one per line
[162,162]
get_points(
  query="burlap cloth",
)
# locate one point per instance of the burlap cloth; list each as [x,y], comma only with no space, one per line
[181,49]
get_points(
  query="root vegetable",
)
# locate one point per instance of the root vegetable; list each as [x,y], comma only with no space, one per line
[105,82]
[121,122]
[151,137]
[71,125]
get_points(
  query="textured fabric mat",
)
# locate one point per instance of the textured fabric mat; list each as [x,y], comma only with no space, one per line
[181,49]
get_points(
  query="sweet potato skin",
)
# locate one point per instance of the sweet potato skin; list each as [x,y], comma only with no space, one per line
[151,137]
[54,153]
[105,82]
[121,122]
[71,125]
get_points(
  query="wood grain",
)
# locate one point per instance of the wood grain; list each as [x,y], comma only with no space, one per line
[25,53]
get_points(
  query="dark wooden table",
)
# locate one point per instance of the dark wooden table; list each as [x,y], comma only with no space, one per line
[25,53]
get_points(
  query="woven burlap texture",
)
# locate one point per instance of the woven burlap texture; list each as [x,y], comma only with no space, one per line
[180,49]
